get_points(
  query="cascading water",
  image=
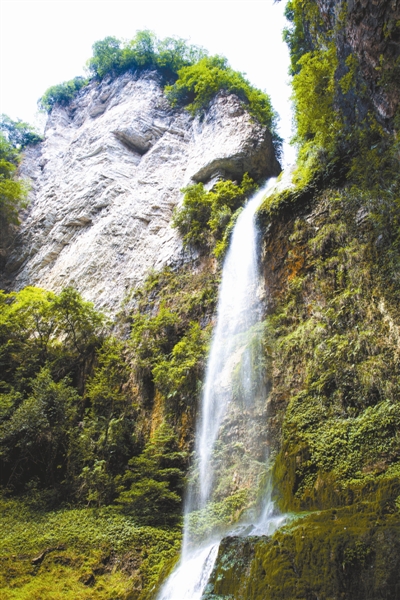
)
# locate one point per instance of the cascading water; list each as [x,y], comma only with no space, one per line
[231,439]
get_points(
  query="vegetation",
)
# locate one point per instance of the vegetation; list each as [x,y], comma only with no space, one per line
[351,552]
[333,342]
[155,480]
[169,335]
[101,427]
[331,250]
[337,125]
[79,553]
[191,77]
[95,430]
[18,133]
[15,136]
[144,51]
[62,93]
[12,191]
[334,356]
[207,218]
[198,83]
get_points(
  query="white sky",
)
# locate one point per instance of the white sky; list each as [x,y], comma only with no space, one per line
[44,42]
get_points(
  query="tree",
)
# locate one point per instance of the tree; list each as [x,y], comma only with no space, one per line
[155,480]
[34,440]
[18,133]
[61,93]
[12,191]
[107,55]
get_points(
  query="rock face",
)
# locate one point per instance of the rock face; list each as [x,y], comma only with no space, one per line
[107,177]
[370,31]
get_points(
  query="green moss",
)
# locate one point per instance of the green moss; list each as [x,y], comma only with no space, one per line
[335,118]
[347,553]
[313,94]
[339,360]
[219,516]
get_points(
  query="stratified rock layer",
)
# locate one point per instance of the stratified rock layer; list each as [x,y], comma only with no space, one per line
[108,175]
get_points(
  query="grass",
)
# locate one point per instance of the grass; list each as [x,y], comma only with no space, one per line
[79,553]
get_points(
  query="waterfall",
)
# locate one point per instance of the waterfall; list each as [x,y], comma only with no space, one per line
[231,435]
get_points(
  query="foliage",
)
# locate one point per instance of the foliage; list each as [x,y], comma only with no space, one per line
[155,480]
[193,77]
[169,334]
[218,516]
[12,191]
[198,83]
[38,328]
[112,56]
[83,553]
[61,93]
[206,219]
[34,439]
[179,374]
[349,553]
[337,124]
[18,133]
[143,51]
[47,347]
[313,94]
[303,21]
[73,423]
[333,345]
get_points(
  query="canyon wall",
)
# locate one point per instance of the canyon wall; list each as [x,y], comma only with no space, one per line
[106,178]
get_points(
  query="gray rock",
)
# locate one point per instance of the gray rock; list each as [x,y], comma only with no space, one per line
[107,177]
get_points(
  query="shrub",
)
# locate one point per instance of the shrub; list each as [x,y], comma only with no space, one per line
[13,192]
[206,217]
[61,94]
[18,133]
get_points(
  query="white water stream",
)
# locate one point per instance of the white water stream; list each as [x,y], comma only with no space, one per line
[231,433]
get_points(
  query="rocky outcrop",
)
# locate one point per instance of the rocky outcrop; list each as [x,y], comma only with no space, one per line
[106,179]
[369,30]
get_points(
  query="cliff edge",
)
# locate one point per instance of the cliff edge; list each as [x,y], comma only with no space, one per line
[106,178]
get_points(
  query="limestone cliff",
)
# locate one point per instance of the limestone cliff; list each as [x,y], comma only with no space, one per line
[108,175]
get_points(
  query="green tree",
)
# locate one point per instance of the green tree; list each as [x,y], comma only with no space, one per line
[198,83]
[13,192]
[39,328]
[34,440]
[18,133]
[107,57]
[61,93]
[155,480]
[206,218]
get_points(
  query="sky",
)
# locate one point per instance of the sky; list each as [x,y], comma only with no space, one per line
[45,42]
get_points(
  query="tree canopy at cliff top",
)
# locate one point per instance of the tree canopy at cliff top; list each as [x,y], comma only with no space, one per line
[191,77]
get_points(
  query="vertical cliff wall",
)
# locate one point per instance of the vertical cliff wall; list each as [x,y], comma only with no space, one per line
[331,262]
[108,175]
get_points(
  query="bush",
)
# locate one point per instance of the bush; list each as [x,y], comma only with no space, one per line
[143,51]
[18,133]
[61,94]
[13,192]
[206,218]
[155,480]
[198,83]
[47,347]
